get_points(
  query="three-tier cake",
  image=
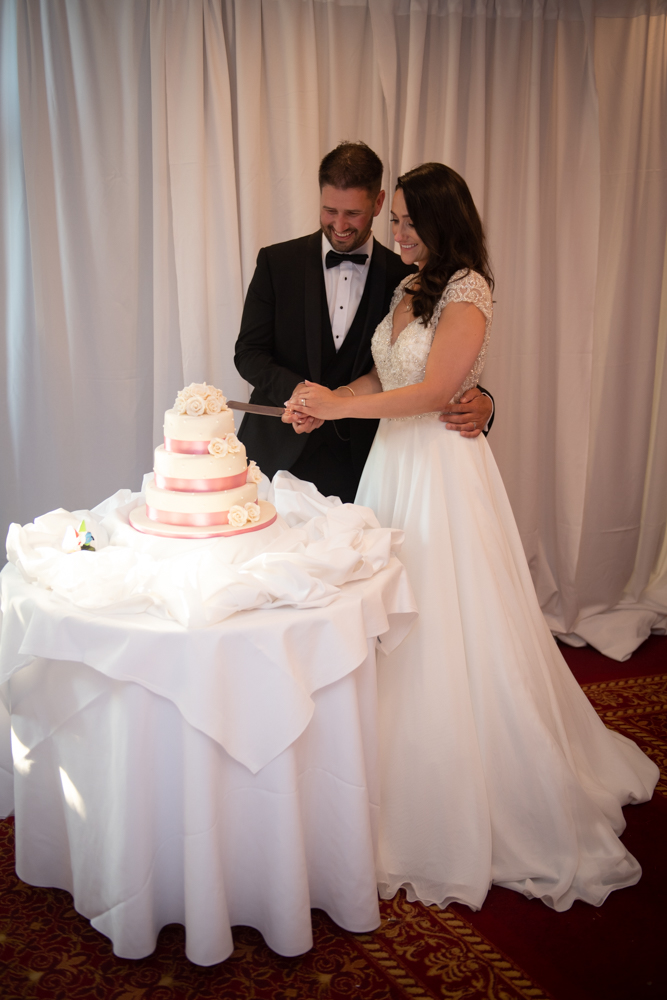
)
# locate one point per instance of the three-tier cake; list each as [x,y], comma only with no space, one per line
[203,486]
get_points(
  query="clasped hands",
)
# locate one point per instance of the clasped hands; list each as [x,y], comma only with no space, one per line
[469,416]
[294,414]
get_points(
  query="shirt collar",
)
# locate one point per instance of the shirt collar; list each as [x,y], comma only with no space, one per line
[367,248]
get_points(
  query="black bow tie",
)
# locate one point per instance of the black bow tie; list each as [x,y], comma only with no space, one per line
[333,259]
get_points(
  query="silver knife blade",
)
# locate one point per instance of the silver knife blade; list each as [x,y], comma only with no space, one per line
[264,411]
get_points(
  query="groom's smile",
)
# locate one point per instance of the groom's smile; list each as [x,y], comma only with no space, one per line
[346,216]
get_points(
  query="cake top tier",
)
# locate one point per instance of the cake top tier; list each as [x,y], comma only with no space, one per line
[199,416]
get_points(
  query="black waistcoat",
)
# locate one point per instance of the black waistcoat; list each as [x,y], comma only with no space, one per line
[337,369]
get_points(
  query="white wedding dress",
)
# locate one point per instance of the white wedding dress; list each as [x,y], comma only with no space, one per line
[495,767]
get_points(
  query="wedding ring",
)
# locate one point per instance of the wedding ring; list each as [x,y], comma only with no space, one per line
[474,425]
[303,402]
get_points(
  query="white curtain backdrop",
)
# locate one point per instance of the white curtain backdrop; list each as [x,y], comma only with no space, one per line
[151,147]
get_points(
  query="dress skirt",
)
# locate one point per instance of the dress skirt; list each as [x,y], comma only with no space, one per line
[495,767]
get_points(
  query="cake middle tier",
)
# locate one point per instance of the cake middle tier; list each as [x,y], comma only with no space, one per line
[199,473]
[177,507]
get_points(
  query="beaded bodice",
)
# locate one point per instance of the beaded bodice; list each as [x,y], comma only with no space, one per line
[404,362]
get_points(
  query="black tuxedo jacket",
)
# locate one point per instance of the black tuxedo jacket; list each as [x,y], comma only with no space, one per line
[286,337]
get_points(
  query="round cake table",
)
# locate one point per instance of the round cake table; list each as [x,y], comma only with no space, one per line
[211,777]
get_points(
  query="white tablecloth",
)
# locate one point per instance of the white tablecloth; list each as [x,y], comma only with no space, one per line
[215,776]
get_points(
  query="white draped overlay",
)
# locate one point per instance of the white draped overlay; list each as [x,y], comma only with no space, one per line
[150,147]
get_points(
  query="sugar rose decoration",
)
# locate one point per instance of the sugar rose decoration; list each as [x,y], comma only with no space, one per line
[227,445]
[253,511]
[218,447]
[198,389]
[254,473]
[214,405]
[195,406]
[238,516]
[212,400]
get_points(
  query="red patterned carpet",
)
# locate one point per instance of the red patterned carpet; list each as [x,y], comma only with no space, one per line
[513,948]
[616,951]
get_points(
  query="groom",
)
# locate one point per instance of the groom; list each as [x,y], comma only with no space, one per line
[310,312]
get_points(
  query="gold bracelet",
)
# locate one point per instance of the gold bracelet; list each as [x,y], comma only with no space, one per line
[348,387]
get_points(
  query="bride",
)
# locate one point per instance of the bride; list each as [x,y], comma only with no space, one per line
[495,767]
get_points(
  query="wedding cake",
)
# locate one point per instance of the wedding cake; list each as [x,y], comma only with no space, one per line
[202,486]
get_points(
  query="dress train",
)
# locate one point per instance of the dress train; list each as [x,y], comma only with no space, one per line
[495,767]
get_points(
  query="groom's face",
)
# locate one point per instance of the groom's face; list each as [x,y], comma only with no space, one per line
[346,216]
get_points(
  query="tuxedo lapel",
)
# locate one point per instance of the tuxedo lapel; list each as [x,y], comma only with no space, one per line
[313,297]
[376,281]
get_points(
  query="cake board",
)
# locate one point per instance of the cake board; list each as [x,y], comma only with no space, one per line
[141,522]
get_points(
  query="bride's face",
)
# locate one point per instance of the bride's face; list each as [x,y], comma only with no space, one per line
[413,250]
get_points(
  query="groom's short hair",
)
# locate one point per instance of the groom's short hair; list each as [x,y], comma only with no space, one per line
[352,165]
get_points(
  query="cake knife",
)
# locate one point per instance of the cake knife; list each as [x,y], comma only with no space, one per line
[265,411]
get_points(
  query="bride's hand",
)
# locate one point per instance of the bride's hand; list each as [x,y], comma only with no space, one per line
[313,400]
[300,423]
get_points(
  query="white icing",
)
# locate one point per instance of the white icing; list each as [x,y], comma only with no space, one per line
[199,503]
[181,427]
[180,466]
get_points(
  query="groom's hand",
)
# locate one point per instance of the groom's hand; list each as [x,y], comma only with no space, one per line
[301,424]
[470,415]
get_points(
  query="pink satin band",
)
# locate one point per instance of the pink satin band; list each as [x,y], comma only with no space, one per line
[191,520]
[186,447]
[200,485]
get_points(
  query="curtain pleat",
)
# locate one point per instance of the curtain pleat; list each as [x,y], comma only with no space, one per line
[81,415]
[626,489]
[197,284]
[151,147]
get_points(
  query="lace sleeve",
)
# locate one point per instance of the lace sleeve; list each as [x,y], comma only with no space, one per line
[466,287]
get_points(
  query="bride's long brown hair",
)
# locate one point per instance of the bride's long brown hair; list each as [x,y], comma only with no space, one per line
[446,220]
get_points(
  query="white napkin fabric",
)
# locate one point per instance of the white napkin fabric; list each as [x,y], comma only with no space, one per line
[316,545]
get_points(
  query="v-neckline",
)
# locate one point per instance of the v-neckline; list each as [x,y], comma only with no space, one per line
[392,341]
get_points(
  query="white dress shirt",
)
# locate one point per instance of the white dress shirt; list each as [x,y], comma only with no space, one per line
[345,285]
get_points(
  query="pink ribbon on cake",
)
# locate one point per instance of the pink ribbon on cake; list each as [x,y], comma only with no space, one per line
[201,485]
[191,520]
[186,447]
